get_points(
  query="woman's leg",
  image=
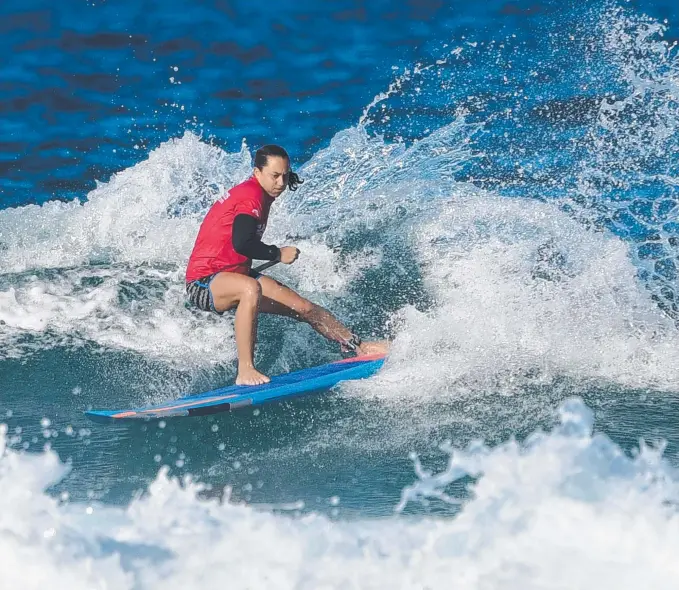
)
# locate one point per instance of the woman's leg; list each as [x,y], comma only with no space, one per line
[281,300]
[230,290]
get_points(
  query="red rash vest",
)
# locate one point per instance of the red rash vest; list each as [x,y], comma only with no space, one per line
[213,251]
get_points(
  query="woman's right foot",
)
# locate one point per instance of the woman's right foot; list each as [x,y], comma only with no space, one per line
[250,376]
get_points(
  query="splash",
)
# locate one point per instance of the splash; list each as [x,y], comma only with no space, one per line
[629,180]
[560,510]
[524,295]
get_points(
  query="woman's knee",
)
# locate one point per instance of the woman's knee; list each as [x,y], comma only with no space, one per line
[307,310]
[251,292]
[229,291]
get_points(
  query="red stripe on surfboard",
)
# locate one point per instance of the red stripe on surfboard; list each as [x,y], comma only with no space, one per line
[367,357]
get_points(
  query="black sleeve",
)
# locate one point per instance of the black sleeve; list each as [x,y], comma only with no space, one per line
[245,241]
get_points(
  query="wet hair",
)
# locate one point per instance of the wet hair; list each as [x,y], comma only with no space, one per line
[262,158]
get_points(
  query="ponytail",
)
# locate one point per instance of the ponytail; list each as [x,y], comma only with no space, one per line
[294,181]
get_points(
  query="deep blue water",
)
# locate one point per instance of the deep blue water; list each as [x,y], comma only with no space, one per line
[493,186]
[83,83]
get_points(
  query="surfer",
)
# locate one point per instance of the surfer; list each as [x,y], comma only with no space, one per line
[219,275]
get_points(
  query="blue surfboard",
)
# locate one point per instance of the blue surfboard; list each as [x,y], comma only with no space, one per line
[225,399]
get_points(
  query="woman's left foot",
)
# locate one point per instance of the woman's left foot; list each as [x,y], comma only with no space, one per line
[373,347]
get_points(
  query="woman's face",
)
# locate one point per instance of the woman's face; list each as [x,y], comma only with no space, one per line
[273,178]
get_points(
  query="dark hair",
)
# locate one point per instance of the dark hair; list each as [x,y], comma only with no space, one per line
[262,158]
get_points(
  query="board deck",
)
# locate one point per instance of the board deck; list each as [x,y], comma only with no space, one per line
[225,399]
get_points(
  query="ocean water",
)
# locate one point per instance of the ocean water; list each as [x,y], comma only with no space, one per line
[494,188]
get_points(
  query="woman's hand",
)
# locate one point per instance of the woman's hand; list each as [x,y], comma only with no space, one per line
[289,254]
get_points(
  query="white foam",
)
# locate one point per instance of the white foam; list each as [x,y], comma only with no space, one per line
[524,295]
[144,214]
[66,264]
[565,510]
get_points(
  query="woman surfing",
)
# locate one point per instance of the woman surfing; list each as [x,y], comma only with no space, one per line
[219,275]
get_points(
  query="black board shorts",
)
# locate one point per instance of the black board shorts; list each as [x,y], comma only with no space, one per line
[200,295]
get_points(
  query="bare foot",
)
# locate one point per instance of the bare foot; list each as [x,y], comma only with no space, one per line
[373,347]
[250,376]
